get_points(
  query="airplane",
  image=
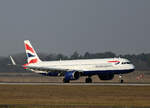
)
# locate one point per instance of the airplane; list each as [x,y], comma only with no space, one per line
[105,68]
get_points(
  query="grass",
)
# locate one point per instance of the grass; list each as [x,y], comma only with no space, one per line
[81,96]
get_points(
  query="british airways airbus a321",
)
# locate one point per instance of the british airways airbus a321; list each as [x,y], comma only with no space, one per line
[74,69]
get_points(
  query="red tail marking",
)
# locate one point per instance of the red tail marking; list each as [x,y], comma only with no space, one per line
[24,66]
[29,48]
[33,61]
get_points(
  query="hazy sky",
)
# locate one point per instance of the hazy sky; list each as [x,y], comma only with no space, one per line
[65,26]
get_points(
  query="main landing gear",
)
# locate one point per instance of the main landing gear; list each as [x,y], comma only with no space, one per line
[88,80]
[66,81]
[121,79]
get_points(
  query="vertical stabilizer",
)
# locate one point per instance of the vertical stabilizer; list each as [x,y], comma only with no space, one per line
[32,56]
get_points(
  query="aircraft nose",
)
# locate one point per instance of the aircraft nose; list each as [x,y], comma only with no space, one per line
[132,66]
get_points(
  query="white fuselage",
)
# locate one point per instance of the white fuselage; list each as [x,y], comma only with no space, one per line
[108,64]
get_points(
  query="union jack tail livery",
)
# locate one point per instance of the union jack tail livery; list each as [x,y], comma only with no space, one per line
[32,57]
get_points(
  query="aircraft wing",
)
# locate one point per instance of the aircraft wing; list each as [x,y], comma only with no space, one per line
[13,63]
[50,69]
[45,68]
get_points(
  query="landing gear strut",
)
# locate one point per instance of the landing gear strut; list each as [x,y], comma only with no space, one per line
[121,79]
[88,80]
[66,81]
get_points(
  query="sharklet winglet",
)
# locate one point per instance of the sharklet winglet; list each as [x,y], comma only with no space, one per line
[12,60]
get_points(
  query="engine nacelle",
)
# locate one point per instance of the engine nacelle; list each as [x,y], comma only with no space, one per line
[106,76]
[72,75]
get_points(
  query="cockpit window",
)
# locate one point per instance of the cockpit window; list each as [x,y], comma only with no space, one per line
[126,62]
[117,63]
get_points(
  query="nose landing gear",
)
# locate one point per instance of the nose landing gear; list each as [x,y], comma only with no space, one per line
[121,79]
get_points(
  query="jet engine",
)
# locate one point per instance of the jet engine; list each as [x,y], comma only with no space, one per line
[72,75]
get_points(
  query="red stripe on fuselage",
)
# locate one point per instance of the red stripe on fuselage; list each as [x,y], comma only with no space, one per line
[113,61]
[29,48]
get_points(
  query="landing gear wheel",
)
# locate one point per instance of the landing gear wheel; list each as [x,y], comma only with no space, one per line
[88,80]
[65,81]
[121,81]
